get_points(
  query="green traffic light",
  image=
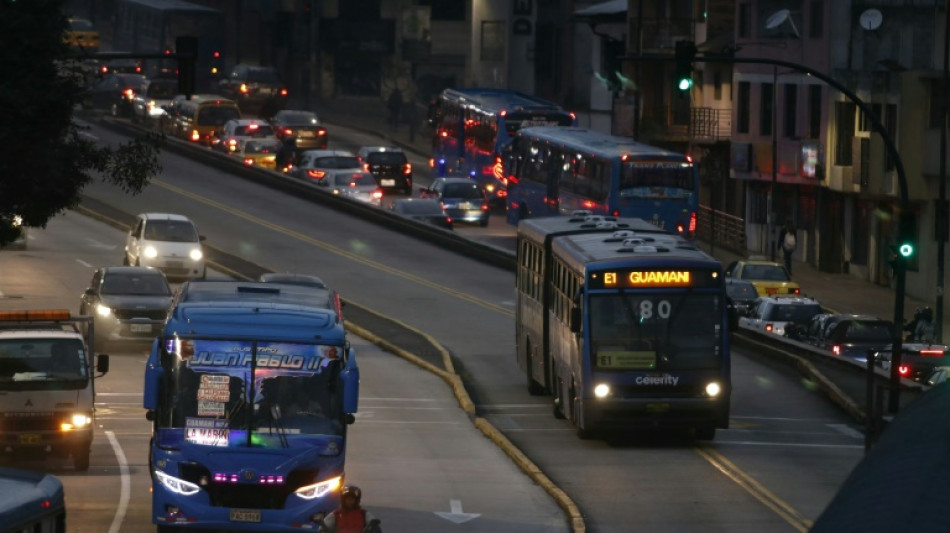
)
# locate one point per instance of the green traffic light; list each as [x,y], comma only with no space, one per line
[906,250]
[685,84]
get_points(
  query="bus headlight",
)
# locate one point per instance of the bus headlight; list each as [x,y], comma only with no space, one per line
[103,310]
[179,486]
[195,254]
[150,252]
[602,390]
[80,420]
[713,389]
[318,490]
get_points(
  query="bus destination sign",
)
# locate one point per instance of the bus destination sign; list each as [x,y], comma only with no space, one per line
[636,278]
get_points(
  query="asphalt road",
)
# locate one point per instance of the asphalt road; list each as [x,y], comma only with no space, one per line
[775,470]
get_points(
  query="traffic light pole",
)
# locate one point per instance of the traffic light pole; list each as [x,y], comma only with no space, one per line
[878,126]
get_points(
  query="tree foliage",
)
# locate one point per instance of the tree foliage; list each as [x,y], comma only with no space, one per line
[45,161]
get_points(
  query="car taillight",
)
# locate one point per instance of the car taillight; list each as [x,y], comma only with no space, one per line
[692,222]
[248,161]
[289,132]
[377,194]
[316,174]
[769,328]
[680,228]
[195,136]
[903,370]
[795,291]
[283,92]
[321,132]
[407,169]
[932,353]
[484,207]
[243,88]
[836,349]
[129,93]
[365,167]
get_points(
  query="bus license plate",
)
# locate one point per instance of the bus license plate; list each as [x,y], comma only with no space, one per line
[245,515]
[30,438]
[140,328]
[658,407]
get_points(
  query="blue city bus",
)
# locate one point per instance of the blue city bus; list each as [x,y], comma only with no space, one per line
[473,126]
[556,171]
[623,324]
[31,501]
[151,27]
[250,389]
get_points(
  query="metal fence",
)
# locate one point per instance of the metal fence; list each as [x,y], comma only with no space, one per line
[727,231]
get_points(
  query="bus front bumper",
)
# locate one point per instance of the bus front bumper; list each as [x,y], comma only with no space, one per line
[657,413]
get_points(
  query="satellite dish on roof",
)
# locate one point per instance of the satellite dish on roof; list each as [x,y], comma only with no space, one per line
[871,19]
[781,17]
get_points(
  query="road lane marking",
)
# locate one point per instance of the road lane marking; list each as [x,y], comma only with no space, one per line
[755,489]
[125,491]
[847,430]
[337,250]
[83,263]
[788,444]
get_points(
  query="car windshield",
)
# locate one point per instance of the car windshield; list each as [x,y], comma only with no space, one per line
[298,119]
[42,364]
[135,284]
[792,312]
[421,208]
[261,147]
[336,162]
[80,25]
[213,115]
[868,331]
[463,190]
[655,331]
[254,130]
[171,230]
[263,75]
[765,273]
[741,291]
[386,158]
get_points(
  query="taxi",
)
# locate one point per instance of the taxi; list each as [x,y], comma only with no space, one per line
[768,277]
[259,152]
[81,35]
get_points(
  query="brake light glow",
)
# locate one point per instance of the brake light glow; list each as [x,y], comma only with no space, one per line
[365,167]
[283,92]
[377,194]
[34,314]
[484,207]
[195,136]
[503,112]
[407,169]
[903,370]
[321,131]
[288,132]
[836,349]
[445,133]
[216,54]
[624,157]
[248,161]
[316,174]
[253,127]
[680,228]
[431,162]
[573,115]
[692,222]
[129,93]
[689,158]
[769,328]
[796,291]
[243,88]
[932,353]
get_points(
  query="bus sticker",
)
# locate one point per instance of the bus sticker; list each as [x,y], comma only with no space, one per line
[626,359]
[206,408]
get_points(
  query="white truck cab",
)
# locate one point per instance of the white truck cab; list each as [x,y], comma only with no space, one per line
[47,392]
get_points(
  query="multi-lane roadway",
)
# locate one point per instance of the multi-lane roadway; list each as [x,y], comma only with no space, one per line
[776,468]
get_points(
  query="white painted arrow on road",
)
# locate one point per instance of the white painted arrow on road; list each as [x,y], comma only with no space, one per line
[457,516]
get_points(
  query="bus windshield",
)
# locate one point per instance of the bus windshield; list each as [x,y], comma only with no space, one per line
[655,331]
[240,393]
[656,179]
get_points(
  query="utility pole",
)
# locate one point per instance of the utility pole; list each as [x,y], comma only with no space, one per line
[941,218]
[771,200]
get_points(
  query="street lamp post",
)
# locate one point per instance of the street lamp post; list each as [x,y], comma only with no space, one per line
[771,199]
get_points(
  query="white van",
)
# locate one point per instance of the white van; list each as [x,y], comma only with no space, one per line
[168,242]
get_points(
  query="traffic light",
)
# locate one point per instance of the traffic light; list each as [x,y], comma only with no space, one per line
[907,235]
[683,69]
[186,48]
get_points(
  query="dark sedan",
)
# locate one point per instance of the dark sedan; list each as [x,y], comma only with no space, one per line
[303,126]
[423,210]
[127,303]
[463,199]
[741,296]
[845,335]
[918,362]
[114,93]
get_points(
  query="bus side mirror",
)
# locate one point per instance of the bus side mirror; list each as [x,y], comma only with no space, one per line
[153,375]
[349,418]
[350,376]
[150,415]
[576,320]
[102,363]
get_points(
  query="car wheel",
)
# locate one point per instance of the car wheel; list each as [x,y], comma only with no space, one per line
[705,433]
[483,223]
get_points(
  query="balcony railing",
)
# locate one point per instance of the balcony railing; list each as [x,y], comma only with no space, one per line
[711,124]
[707,124]
[727,231]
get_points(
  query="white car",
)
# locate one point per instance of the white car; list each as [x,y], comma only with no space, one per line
[771,314]
[357,185]
[168,242]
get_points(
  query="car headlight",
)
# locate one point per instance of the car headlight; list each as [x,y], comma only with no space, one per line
[150,252]
[103,310]
[602,390]
[713,389]
[176,485]
[195,254]
[76,421]
[318,490]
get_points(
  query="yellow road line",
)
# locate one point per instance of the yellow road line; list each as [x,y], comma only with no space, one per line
[336,250]
[755,489]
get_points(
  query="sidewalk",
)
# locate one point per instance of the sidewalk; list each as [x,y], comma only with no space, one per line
[839,292]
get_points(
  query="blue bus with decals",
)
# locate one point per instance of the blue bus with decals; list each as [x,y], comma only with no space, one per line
[472,127]
[556,171]
[250,389]
[623,324]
